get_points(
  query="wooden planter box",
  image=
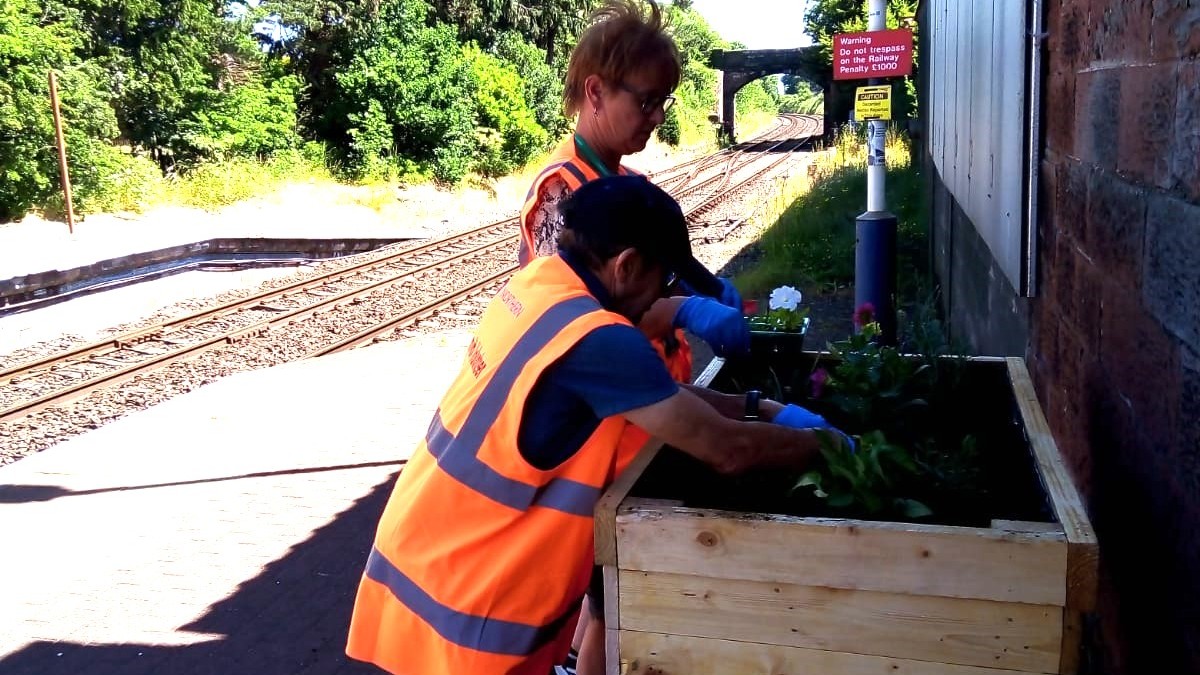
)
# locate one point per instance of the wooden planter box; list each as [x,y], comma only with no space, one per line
[697,590]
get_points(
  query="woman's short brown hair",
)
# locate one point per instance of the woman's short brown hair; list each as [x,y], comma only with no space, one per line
[620,40]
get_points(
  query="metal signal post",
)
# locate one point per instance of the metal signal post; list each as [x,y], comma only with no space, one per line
[875,249]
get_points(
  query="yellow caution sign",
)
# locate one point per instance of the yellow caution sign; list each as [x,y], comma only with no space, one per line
[873,103]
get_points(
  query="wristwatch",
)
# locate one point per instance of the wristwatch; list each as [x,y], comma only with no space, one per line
[751,412]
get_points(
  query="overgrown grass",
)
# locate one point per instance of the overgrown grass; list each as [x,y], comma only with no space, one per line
[220,184]
[138,185]
[811,241]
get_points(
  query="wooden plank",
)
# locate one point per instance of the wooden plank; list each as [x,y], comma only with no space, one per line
[1071,642]
[1026,526]
[612,653]
[953,562]
[658,654]
[612,598]
[1082,550]
[709,373]
[942,630]
[604,516]
[650,503]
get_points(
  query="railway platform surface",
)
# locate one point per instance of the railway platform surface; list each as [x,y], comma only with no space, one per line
[220,532]
[34,246]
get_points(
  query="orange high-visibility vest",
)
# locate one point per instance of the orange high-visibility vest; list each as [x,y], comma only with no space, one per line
[481,560]
[568,166]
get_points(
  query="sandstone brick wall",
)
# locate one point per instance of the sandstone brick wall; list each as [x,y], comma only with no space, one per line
[1114,340]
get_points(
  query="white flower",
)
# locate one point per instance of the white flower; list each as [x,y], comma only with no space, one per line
[785,297]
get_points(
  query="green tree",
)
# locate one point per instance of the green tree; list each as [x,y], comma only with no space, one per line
[422,83]
[256,118]
[164,58]
[33,40]
[507,132]
[550,25]
[543,85]
[688,121]
[827,18]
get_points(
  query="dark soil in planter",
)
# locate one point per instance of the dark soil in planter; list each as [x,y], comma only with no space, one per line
[1003,481]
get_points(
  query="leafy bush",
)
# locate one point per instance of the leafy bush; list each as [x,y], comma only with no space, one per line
[370,141]
[668,131]
[421,82]
[543,85]
[214,184]
[116,180]
[254,119]
[507,132]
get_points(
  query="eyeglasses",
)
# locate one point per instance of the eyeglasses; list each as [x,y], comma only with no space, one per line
[669,284]
[649,102]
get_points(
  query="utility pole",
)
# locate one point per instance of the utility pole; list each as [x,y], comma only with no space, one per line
[875,251]
[62,153]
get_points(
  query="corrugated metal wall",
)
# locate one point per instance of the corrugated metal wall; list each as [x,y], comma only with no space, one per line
[977,104]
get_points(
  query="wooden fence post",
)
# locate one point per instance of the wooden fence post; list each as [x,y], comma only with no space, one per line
[62,153]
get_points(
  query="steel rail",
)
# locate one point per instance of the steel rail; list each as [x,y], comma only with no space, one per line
[301,286]
[181,352]
[375,332]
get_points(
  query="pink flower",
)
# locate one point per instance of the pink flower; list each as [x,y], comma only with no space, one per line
[864,315]
[818,379]
[750,307]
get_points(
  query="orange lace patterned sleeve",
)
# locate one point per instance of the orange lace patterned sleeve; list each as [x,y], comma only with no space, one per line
[547,221]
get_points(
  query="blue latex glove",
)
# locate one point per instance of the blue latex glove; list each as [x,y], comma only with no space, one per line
[723,328]
[845,437]
[799,418]
[730,296]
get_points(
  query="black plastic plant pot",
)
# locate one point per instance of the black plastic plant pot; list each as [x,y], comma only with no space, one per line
[778,343]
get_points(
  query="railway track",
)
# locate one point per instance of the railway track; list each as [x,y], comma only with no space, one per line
[481,255]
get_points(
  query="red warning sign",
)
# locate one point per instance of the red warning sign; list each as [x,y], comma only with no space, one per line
[881,53]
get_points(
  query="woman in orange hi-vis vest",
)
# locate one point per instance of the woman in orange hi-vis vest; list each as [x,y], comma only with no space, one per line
[619,83]
[484,550]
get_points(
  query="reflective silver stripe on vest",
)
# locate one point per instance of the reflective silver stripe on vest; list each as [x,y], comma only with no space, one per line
[483,633]
[458,455]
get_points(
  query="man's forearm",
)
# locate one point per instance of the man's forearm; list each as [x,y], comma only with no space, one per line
[769,445]
[733,406]
[729,405]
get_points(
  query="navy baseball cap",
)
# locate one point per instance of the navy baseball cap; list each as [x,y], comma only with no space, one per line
[614,213]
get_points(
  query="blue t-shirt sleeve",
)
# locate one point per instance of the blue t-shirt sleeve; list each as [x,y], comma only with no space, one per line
[614,369]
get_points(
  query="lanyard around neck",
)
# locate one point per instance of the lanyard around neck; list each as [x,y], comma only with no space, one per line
[591,157]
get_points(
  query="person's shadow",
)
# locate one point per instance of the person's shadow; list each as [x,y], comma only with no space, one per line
[290,620]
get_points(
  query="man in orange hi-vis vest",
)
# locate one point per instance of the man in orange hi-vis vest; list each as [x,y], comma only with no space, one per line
[485,548]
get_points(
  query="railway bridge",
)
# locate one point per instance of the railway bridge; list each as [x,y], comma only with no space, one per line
[741,67]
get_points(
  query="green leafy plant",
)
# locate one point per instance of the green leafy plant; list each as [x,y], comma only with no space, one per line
[872,382]
[863,478]
[877,391]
